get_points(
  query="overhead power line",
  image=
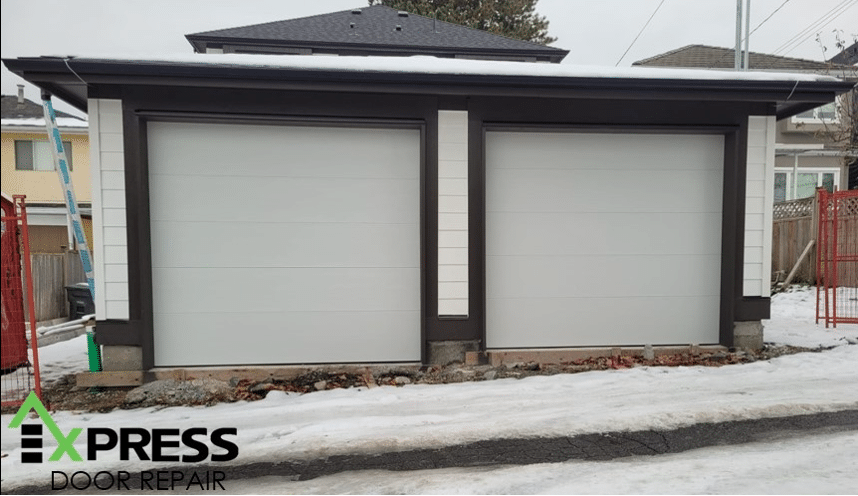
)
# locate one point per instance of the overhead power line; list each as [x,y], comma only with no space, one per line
[724,56]
[639,33]
[820,22]
[767,18]
[854,2]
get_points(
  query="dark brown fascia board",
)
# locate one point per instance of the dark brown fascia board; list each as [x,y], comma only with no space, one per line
[52,74]
[789,109]
[198,43]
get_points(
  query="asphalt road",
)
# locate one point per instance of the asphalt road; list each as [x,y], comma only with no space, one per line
[593,447]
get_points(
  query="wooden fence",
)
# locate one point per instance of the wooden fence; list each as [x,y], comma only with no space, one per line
[795,224]
[52,272]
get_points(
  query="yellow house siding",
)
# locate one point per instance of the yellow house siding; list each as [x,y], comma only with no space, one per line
[87,232]
[48,239]
[44,186]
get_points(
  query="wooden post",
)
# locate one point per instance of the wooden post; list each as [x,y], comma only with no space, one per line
[788,280]
[814,230]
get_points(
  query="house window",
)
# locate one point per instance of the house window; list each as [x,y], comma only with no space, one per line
[36,155]
[825,113]
[808,180]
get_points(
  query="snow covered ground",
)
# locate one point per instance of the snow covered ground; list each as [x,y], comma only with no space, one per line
[291,426]
[824,464]
[63,358]
[793,317]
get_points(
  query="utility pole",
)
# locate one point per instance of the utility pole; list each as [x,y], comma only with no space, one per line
[737,52]
[746,58]
[741,60]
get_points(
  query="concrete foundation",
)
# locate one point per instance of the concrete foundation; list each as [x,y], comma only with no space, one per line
[748,335]
[121,358]
[445,352]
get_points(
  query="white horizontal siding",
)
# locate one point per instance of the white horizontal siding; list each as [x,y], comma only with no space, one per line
[453,286]
[107,166]
[758,205]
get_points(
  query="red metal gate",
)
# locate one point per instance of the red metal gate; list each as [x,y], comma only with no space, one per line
[837,258]
[20,359]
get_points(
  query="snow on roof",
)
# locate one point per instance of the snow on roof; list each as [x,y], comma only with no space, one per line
[422,64]
[40,123]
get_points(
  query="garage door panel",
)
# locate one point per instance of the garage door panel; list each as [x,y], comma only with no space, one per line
[284,244]
[598,275]
[553,190]
[552,233]
[276,289]
[602,239]
[570,151]
[247,338]
[360,153]
[261,244]
[540,322]
[277,199]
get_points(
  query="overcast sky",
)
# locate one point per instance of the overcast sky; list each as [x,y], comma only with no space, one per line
[596,32]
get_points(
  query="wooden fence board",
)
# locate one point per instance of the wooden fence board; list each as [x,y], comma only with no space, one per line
[52,272]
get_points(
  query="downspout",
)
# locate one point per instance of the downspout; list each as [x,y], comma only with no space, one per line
[795,177]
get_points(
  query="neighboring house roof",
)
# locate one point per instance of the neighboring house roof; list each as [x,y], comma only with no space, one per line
[710,57]
[793,93]
[31,114]
[375,29]
[849,56]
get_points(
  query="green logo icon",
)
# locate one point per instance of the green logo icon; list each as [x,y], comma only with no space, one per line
[65,443]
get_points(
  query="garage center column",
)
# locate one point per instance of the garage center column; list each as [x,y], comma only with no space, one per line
[759,199]
[453,261]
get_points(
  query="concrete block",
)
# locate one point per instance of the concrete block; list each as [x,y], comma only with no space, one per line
[648,352]
[445,352]
[474,358]
[748,335]
[121,358]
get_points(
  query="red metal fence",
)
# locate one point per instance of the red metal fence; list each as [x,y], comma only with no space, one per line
[20,358]
[837,258]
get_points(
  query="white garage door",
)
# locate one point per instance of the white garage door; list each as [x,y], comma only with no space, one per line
[284,244]
[602,239]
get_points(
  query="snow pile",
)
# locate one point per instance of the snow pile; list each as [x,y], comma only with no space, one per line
[793,322]
[423,64]
[40,123]
[63,358]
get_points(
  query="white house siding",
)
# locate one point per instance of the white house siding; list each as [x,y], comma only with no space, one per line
[602,239]
[107,166]
[759,195]
[453,212]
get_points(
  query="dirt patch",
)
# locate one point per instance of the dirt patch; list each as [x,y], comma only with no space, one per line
[64,395]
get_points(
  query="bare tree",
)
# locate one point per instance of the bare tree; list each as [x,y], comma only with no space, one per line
[842,133]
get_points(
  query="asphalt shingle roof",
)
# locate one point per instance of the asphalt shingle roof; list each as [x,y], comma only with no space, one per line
[375,25]
[710,57]
[29,110]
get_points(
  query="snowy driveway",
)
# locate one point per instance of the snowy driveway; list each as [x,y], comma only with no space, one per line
[355,421]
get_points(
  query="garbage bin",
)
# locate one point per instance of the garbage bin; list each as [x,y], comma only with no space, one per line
[80,300]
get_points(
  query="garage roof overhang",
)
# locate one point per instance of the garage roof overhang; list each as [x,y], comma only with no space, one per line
[69,79]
